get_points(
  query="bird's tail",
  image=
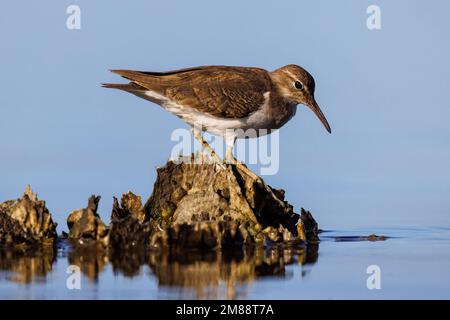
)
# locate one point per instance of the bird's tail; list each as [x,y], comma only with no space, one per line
[130,87]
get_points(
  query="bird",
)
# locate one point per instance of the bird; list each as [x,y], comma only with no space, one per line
[229,101]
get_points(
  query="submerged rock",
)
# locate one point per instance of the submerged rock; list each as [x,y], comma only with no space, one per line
[86,226]
[26,221]
[374,237]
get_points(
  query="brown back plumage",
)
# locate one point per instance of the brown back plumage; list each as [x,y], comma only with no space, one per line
[228,92]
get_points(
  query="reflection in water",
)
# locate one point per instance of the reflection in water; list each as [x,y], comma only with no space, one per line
[27,265]
[208,273]
[129,262]
[91,259]
[211,274]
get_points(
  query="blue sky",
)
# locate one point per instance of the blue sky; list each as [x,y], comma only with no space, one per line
[384,92]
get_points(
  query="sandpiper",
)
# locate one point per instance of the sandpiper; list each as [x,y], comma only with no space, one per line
[224,99]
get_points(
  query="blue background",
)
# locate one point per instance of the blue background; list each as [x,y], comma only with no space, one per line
[385,94]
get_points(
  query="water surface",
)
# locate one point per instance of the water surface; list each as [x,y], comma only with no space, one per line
[414,264]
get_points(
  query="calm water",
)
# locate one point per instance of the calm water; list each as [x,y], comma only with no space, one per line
[414,263]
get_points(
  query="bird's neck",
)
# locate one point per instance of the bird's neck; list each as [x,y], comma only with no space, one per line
[281,110]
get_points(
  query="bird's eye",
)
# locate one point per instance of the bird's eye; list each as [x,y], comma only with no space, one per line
[298,85]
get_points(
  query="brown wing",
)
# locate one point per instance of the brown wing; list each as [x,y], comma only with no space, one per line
[229,92]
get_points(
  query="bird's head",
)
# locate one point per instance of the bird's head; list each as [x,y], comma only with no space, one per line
[297,86]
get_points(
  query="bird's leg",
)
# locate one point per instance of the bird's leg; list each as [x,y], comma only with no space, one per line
[229,158]
[230,139]
[197,135]
[242,168]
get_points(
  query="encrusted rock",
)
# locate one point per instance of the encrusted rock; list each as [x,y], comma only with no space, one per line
[202,235]
[85,225]
[129,225]
[128,234]
[130,204]
[26,221]
[307,228]
[203,205]
[195,205]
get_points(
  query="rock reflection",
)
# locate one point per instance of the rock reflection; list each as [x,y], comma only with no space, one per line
[129,262]
[91,259]
[25,266]
[219,274]
[202,274]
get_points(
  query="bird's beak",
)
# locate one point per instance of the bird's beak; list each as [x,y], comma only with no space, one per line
[316,109]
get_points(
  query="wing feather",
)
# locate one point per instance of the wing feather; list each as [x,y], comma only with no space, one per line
[229,92]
